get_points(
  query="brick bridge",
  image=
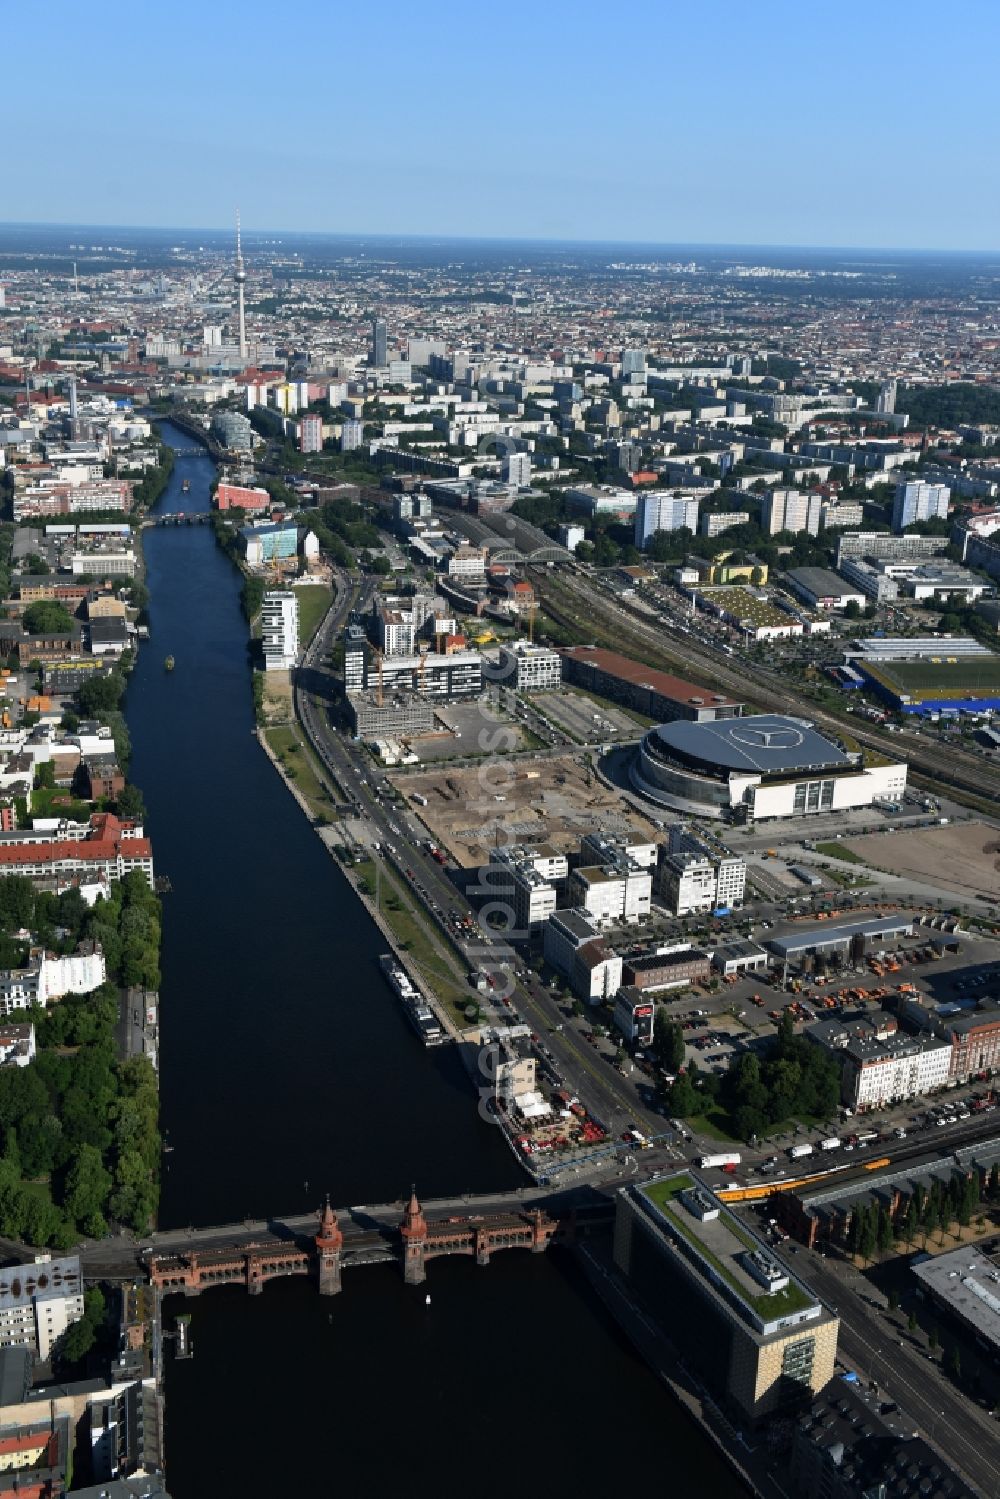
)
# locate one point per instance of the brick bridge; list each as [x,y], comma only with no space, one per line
[324,1253]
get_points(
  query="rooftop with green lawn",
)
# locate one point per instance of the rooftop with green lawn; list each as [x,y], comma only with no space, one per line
[722,1244]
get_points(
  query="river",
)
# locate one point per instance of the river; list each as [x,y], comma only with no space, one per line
[287,1071]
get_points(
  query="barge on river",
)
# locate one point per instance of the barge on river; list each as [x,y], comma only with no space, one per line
[418,1011]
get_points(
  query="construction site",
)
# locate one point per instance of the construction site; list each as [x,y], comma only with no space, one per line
[554,800]
[963,857]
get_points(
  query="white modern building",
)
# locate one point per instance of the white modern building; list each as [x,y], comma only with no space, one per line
[39,1301]
[692,877]
[790,510]
[612,893]
[279,618]
[468,562]
[526,881]
[516,469]
[878,1072]
[662,510]
[529,668]
[915,501]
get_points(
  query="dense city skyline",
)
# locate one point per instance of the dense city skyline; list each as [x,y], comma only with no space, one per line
[789,133]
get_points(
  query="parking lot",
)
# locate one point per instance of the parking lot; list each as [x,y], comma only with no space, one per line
[584,720]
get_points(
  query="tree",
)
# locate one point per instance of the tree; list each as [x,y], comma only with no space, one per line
[100,695]
[884,1230]
[852,609]
[682,1099]
[856,1228]
[87,1188]
[933,1340]
[911,1322]
[668,1041]
[993,1184]
[869,1235]
[893,1300]
[131,805]
[17,902]
[47,617]
[953,1361]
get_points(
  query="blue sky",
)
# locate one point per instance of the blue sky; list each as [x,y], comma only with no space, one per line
[868,124]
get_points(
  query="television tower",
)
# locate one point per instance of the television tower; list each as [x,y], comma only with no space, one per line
[240,276]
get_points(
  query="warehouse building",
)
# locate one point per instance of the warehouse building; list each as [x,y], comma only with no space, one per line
[656,694]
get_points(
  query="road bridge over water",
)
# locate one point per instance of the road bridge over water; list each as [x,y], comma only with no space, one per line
[321,1245]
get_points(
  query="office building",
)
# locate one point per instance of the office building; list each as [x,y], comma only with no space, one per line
[279,618]
[376,716]
[529,668]
[233,431]
[853,1444]
[790,510]
[619,891]
[753,1331]
[671,967]
[660,510]
[468,562]
[692,877]
[633,362]
[241,497]
[963,1286]
[527,879]
[871,581]
[634,1015]
[916,501]
[380,343]
[39,1301]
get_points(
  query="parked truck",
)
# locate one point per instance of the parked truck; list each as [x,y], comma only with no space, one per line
[796,1152]
[833,1143]
[731,1158]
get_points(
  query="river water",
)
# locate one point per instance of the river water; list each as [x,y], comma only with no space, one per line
[287,1071]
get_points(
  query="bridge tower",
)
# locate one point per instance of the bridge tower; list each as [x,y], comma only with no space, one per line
[413,1231]
[329,1242]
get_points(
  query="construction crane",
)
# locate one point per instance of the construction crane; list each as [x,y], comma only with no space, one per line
[378,668]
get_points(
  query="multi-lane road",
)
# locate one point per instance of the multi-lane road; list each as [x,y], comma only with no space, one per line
[903,1372]
[609,1096]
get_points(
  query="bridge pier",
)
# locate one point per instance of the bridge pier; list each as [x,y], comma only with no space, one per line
[329,1243]
[413,1232]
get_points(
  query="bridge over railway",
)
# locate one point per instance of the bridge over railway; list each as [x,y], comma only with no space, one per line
[321,1245]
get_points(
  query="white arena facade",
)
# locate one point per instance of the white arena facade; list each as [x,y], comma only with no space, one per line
[762,766]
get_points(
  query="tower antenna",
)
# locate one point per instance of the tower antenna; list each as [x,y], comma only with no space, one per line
[239,277]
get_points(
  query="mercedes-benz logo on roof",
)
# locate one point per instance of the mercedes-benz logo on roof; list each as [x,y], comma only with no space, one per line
[784,738]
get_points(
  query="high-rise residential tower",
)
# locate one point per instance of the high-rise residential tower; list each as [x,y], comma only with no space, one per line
[380,343]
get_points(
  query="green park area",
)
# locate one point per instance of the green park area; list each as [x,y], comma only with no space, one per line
[314,601]
[299,764]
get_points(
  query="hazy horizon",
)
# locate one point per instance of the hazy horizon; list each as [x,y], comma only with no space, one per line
[666,125]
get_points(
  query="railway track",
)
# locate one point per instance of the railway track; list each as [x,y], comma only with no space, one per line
[952,771]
